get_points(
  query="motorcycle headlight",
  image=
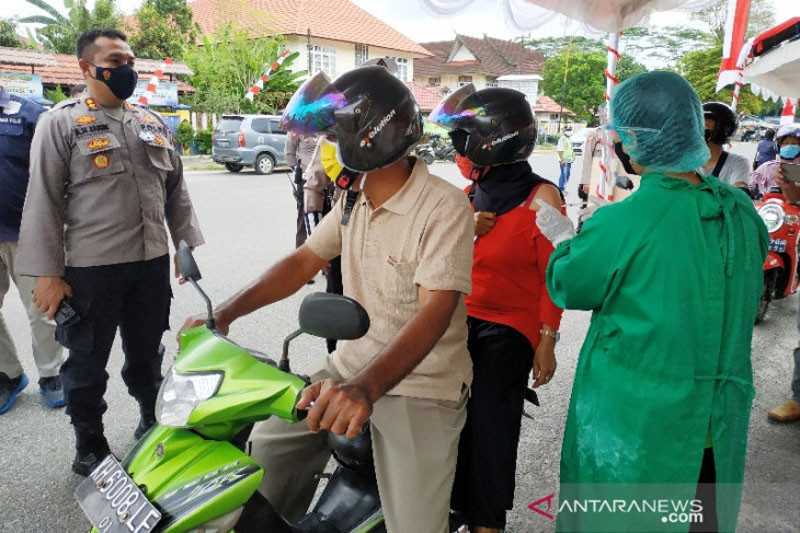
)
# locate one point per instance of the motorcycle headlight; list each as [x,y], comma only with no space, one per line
[773,216]
[181,393]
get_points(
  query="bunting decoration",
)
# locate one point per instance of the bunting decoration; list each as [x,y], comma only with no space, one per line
[152,85]
[258,86]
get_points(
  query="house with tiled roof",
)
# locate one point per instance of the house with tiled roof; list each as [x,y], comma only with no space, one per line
[482,61]
[333,36]
[552,116]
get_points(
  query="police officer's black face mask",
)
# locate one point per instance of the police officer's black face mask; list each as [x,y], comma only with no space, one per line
[121,80]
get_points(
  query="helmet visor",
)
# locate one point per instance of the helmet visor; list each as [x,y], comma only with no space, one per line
[311,109]
[450,112]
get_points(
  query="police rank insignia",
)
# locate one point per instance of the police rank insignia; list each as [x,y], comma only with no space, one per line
[85,120]
[91,104]
[101,161]
[159,140]
[98,143]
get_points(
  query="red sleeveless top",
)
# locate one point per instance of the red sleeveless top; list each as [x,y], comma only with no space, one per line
[508,271]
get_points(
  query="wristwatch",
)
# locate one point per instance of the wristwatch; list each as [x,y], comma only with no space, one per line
[547,332]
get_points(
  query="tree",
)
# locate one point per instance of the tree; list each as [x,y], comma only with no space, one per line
[550,46]
[8,34]
[164,28]
[762,16]
[226,64]
[701,67]
[584,91]
[60,33]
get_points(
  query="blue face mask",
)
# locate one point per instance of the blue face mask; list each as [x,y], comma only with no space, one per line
[790,151]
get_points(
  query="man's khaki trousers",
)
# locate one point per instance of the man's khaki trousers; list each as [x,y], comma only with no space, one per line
[414,442]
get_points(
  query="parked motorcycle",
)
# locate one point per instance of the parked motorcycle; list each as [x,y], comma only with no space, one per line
[190,472]
[426,153]
[781,269]
[442,148]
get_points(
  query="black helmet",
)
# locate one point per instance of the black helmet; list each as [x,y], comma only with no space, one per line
[490,127]
[372,114]
[725,122]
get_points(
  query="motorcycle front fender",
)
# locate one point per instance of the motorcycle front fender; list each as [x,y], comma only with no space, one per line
[773,261]
[192,481]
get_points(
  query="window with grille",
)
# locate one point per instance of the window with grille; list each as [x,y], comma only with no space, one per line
[402,68]
[362,54]
[463,80]
[323,59]
[491,81]
[434,82]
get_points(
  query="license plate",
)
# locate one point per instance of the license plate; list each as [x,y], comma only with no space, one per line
[113,503]
[777,245]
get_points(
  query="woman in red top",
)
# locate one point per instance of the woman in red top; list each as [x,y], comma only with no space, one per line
[513,324]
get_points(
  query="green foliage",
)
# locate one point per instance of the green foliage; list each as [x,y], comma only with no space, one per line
[8,34]
[227,64]
[55,95]
[202,141]
[584,91]
[164,28]
[60,33]
[550,46]
[701,67]
[184,133]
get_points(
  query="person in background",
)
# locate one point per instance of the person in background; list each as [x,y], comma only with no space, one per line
[513,324]
[105,178]
[664,384]
[720,125]
[767,150]
[565,158]
[18,118]
[765,177]
[320,196]
[299,154]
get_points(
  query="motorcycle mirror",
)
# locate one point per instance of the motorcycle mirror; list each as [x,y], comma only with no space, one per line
[332,316]
[186,263]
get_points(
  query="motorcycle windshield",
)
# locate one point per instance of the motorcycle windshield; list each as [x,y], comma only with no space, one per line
[311,110]
[450,111]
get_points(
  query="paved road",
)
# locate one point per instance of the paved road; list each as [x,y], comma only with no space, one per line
[247,221]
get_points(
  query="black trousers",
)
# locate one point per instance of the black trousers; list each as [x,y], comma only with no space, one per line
[134,297]
[487,453]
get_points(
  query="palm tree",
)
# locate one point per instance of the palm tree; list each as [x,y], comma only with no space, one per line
[60,33]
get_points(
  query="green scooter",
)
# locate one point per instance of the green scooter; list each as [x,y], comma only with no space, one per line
[190,472]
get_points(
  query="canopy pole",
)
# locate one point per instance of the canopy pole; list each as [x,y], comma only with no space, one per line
[607,184]
[737,89]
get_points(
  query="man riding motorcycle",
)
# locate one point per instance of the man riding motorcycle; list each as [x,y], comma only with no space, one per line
[764,178]
[405,238]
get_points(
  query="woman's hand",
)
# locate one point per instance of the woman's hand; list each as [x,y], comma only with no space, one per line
[544,361]
[789,188]
[484,221]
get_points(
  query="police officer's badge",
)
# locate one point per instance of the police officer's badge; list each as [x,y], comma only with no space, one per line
[96,144]
[101,161]
[159,140]
[91,104]
[85,120]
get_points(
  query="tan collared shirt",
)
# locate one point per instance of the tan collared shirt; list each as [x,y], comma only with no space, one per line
[102,185]
[422,236]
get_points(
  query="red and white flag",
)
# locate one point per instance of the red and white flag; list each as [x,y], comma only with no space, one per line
[152,85]
[735,30]
[789,109]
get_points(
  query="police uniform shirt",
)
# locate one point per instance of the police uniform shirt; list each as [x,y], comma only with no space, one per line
[102,185]
[17,122]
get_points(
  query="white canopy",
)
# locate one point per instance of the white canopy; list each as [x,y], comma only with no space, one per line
[777,72]
[600,15]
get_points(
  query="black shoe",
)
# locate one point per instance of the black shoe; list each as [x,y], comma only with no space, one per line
[91,452]
[145,423]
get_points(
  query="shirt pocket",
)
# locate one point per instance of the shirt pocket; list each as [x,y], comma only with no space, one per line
[396,281]
[99,155]
[160,156]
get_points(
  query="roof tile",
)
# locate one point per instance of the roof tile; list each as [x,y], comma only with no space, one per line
[338,20]
[495,57]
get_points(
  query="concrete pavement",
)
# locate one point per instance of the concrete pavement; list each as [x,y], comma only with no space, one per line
[248,222]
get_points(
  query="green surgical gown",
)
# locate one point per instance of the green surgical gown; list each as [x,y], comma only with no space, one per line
[673,275]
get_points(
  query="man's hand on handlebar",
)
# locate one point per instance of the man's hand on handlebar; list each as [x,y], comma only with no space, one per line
[340,408]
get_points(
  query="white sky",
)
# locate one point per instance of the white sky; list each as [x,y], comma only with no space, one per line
[410,18]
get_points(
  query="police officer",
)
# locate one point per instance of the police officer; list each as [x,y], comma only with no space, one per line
[104,178]
[18,118]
